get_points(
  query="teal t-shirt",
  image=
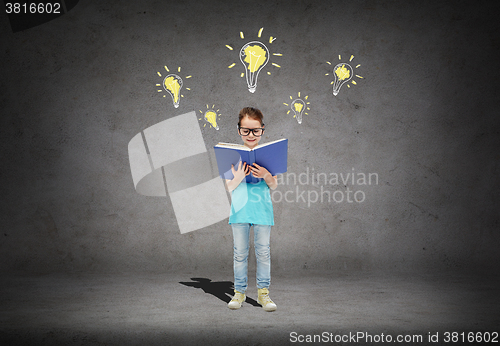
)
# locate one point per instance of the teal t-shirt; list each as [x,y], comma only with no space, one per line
[251,203]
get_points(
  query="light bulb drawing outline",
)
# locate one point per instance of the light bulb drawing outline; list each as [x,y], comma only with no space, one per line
[343,73]
[211,117]
[252,62]
[342,76]
[299,107]
[252,76]
[172,83]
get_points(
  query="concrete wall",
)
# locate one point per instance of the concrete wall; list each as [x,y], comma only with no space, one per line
[424,118]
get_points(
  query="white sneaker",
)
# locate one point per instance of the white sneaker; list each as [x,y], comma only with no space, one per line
[237,300]
[265,301]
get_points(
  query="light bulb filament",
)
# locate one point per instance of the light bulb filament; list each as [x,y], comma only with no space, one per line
[342,73]
[298,107]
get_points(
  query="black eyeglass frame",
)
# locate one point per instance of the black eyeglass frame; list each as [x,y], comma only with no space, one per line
[251,130]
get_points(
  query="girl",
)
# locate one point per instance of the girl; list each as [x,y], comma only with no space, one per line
[251,205]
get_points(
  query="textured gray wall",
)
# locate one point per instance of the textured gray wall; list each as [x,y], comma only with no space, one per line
[75,90]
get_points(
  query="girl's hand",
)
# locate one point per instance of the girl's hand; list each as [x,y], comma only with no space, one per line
[240,174]
[259,171]
[262,172]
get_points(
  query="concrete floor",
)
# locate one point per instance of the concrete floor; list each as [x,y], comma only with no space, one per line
[164,309]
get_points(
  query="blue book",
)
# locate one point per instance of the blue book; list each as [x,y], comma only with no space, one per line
[272,155]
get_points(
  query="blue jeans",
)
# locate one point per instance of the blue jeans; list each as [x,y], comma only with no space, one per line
[241,238]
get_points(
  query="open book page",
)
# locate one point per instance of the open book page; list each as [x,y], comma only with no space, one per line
[269,143]
[232,145]
[243,147]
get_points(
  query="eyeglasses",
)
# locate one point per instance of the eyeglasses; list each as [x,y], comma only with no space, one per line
[256,132]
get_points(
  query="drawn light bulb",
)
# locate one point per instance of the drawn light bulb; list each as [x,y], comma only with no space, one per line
[254,56]
[298,107]
[343,74]
[211,117]
[173,84]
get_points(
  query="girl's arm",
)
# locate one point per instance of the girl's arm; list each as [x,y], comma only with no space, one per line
[238,176]
[272,181]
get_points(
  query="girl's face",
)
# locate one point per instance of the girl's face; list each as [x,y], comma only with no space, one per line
[250,140]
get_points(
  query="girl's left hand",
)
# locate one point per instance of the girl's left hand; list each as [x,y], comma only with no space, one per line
[259,171]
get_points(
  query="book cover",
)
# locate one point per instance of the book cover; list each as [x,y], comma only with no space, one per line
[272,155]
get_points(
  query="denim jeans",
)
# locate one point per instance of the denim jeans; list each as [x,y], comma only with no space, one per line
[241,238]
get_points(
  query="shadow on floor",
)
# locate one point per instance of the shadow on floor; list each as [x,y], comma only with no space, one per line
[224,290]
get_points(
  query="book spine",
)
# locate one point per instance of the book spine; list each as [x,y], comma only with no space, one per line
[251,161]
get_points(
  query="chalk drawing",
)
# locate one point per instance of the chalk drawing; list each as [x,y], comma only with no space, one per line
[210,116]
[299,107]
[172,84]
[254,56]
[343,73]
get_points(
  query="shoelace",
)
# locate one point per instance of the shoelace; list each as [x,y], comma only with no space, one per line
[266,299]
[238,297]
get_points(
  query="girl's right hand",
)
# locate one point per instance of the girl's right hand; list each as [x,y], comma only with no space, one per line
[241,172]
